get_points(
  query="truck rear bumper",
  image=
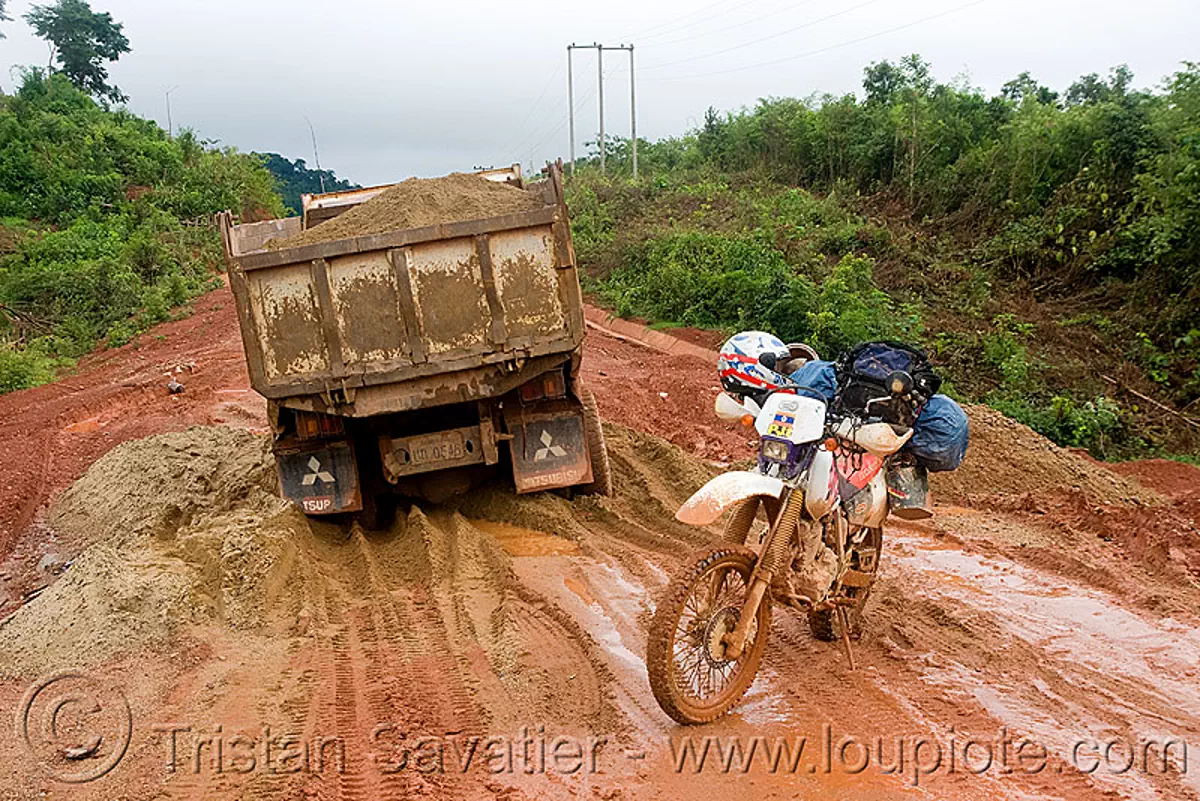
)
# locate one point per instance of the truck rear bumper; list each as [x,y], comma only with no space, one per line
[321,478]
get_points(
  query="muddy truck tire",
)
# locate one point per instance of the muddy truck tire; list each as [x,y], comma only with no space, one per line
[378,503]
[602,482]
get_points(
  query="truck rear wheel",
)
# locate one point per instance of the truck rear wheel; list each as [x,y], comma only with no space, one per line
[602,483]
[378,503]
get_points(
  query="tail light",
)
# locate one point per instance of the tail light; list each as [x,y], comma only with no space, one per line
[550,385]
[310,425]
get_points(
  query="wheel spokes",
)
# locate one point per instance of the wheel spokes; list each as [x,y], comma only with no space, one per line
[710,611]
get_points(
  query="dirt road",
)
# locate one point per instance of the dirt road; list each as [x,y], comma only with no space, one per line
[493,647]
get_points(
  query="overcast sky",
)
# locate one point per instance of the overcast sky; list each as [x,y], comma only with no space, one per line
[396,89]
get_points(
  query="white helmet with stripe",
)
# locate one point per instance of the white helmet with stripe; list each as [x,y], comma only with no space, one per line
[747,363]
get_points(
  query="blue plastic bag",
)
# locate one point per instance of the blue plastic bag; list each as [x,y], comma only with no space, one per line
[819,376]
[940,435]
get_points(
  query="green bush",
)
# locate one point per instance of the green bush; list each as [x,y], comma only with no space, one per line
[94,204]
[28,367]
[738,282]
[1097,424]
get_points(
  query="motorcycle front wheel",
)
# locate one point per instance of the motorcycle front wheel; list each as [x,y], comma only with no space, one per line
[690,676]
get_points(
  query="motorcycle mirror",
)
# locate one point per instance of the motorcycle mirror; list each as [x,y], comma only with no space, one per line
[729,410]
[768,360]
[899,383]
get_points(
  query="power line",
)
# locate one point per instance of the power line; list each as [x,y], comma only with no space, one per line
[536,103]
[727,29]
[562,123]
[588,95]
[837,46]
[537,128]
[694,23]
[760,40]
[645,32]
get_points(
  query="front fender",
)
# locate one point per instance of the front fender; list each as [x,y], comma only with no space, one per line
[724,491]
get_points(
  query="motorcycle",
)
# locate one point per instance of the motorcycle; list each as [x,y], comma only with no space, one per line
[822,483]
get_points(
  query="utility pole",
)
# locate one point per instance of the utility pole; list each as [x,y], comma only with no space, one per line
[170,123]
[632,113]
[600,74]
[599,48]
[316,154]
[571,103]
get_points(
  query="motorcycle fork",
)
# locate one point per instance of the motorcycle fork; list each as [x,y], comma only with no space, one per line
[775,557]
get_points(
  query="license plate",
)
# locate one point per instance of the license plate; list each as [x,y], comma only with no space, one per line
[436,448]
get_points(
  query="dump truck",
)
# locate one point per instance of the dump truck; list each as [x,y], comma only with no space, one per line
[416,362]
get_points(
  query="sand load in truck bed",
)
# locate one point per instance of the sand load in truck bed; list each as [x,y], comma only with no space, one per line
[420,202]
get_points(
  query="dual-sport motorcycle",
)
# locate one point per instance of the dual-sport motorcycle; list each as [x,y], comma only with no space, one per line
[822,484]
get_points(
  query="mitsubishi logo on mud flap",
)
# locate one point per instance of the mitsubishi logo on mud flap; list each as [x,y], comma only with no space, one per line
[549,449]
[317,474]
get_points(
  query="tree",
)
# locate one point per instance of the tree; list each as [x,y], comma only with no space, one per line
[1092,89]
[1024,86]
[294,179]
[882,81]
[3,17]
[81,40]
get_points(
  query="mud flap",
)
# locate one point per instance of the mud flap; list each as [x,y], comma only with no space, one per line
[321,479]
[549,450]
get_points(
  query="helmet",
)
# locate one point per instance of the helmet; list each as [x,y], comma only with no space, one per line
[740,368]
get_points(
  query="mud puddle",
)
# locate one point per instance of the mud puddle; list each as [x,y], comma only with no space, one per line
[1067,664]
[525,542]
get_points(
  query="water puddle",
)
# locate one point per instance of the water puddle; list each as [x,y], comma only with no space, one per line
[1080,625]
[576,586]
[525,542]
[1129,673]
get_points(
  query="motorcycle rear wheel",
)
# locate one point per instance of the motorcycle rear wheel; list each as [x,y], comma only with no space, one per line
[689,676]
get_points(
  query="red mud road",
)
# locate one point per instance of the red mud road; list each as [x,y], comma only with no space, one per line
[1037,639]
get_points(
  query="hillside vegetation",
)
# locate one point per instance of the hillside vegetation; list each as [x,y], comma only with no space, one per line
[105,223]
[1036,243]
[294,179]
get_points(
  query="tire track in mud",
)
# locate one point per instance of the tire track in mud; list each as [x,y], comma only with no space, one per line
[807,682]
[432,627]
[1075,664]
[392,677]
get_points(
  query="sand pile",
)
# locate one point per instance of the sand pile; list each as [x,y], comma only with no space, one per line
[184,527]
[1008,458]
[184,531]
[420,202]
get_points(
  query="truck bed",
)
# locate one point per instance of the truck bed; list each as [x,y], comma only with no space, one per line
[478,298]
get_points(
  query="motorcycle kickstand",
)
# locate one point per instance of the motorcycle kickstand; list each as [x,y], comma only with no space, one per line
[844,620]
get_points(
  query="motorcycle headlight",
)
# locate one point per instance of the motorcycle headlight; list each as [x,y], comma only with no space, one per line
[776,450]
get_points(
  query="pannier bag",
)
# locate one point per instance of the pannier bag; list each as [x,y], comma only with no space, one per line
[862,373]
[940,435]
[940,432]
[818,380]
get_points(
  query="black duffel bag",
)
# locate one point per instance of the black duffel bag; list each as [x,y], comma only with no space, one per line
[862,375]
